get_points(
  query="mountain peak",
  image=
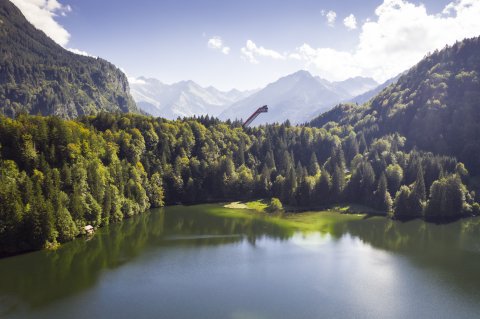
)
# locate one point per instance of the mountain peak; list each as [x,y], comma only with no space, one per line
[184,98]
[300,74]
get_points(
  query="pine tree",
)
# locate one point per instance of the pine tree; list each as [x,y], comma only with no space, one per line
[155,191]
[304,191]
[66,227]
[362,143]
[313,168]
[338,182]
[322,190]
[382,196]
[270,160]
[265,182]
[418,195]
[401,203]
[351,147]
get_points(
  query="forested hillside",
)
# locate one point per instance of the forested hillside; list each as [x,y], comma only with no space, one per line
[38,76]
[57,176]
[435,105]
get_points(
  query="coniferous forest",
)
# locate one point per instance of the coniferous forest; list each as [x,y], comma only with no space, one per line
[189,176]
[57,175]
[406,153]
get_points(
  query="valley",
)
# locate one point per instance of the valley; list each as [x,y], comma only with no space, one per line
[357,195]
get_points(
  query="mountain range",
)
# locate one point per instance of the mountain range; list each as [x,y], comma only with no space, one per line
[38,76]
[297,97]
[182,99]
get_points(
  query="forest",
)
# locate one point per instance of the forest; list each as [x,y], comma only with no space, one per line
[434,105]
[56,175]
[38,76]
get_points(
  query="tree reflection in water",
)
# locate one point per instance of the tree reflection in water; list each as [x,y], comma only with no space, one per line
[40,278]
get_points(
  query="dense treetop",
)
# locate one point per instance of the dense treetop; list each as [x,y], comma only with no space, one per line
[401,154]
[56,176]
[435,105]
[38,76]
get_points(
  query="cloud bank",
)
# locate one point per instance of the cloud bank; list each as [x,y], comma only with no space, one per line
[398,37]
[42,13]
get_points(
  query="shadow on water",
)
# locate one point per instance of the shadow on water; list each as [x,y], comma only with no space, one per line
[40,278]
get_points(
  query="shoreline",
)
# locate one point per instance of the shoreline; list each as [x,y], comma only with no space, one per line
[259,205]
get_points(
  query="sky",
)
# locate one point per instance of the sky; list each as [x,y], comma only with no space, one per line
[250,43]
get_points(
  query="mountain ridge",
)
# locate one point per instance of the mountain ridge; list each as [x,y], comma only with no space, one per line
[181,99]
[434,105]
[297,97]
[38,76]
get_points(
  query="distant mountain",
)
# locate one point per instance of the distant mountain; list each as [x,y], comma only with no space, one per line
[38,76]
[297,97]
[185,98]
[435,105]
[357,85]
[365,97]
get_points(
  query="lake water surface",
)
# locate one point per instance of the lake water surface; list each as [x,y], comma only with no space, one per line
[207,261]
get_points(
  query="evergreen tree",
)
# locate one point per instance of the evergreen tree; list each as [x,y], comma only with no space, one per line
[382,196]
[338,182]
[401,204]
[313,168]
[322,191]
[418,195]
[362,143]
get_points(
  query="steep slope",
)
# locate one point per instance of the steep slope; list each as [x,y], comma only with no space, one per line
[40,77]
[296,97]
[185,98]
[435,105]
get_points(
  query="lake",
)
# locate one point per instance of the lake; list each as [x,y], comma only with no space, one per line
[207,261]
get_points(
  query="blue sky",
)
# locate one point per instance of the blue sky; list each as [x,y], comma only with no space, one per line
[247,44]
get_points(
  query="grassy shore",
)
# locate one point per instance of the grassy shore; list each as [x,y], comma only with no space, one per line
[295,219]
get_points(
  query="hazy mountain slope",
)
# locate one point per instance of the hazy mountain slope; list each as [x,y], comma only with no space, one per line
[365,97]
[357,85]
[296,97]
[436,105]
[39,76]
[185,98]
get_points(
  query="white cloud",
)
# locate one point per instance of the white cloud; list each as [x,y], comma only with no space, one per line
[331,17]
[251,52]
[397,38]
[81,52]
[350,22]
[216,43]
[295,56]
[134,80]
[225,50]
[42,13]
[330,63]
